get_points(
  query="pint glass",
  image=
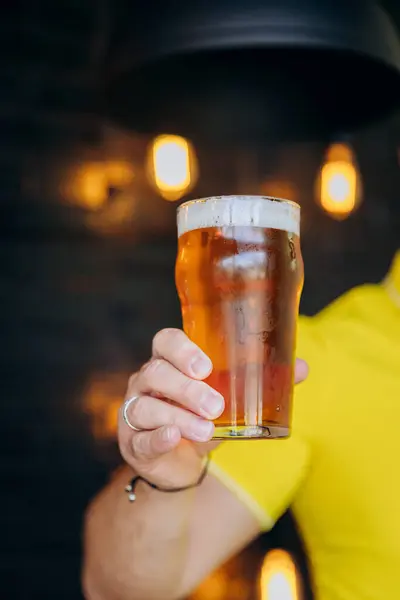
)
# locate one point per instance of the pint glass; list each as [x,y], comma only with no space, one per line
[239,276]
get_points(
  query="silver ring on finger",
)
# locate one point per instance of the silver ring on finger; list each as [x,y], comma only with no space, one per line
[127,404]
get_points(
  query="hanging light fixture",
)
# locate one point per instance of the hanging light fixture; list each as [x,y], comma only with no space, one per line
[172,166]
[339,182]
[222,71]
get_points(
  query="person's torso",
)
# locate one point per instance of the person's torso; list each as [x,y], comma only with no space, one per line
[348,507]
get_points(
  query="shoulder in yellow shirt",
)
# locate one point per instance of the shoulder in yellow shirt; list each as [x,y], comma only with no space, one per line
[339,470]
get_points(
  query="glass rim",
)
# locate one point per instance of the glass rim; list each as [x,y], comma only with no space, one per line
[241,197]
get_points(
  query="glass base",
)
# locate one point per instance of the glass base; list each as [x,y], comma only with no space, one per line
[250,432]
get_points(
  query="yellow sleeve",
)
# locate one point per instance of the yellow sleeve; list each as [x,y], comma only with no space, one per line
[265,474]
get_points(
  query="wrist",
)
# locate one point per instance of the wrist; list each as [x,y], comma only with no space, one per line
[130,488]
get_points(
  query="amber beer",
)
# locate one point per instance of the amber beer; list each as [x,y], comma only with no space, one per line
[239,276]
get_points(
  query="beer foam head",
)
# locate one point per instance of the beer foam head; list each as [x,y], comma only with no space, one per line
[239,211]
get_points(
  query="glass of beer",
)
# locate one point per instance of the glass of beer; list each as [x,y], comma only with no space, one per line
[239,276]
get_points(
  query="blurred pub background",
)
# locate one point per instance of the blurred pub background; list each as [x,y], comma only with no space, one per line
[88,245]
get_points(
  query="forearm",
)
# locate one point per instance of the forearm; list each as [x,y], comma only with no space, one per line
[137,550]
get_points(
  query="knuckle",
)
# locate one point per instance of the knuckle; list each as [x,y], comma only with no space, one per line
[127,455]
[168,337]
[126,449]
[140,445]
[190,389]
[144,367]
[151,370]
[131,382]
[164,335]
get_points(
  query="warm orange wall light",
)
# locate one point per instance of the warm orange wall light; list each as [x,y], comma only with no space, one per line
[172,166]
[339,184]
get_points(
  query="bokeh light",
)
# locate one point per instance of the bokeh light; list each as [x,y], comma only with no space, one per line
[172,166]
[101,402]
[89,183]
[279,579]
[339,184]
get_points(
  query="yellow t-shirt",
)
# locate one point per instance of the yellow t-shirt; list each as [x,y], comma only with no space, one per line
[340,470]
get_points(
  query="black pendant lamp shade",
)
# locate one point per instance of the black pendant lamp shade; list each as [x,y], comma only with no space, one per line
[226,70]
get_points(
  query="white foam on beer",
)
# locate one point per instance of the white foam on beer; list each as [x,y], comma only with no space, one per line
[239,211]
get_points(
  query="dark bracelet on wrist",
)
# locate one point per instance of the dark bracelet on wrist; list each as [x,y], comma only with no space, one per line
[130,488]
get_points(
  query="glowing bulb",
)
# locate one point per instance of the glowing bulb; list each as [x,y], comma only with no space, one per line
[278,587]
[338,187]
[279,579]
[172,166]
[339,182]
